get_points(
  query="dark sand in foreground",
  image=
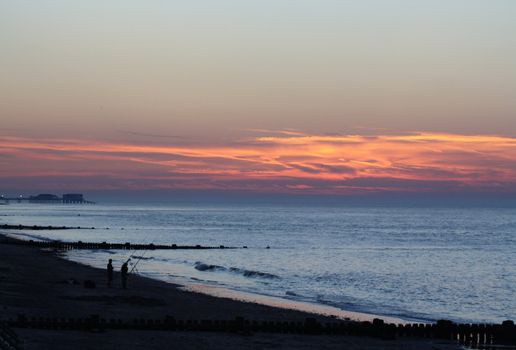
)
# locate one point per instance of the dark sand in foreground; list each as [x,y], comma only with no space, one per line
[34,283]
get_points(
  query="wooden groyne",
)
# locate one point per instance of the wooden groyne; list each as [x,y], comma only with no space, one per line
[8,338]
[483,335]
[39,227]
[105,245]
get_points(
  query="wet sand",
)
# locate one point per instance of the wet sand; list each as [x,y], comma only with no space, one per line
[38,283]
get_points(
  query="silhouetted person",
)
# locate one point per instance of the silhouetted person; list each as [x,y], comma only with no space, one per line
[109,273]
[123,274]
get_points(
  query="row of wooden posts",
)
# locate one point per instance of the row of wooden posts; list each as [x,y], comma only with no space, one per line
[8,338]
[105,245]
[39,227]
[487,334]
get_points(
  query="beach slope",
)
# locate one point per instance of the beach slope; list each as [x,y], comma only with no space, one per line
[38,283]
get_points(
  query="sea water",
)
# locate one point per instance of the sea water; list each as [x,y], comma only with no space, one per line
[413,263]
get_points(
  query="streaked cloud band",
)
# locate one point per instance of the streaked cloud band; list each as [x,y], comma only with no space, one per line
[282,162]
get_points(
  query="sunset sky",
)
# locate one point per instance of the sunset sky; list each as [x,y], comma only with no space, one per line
[283,96]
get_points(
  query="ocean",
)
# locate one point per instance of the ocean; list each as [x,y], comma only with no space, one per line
[411,263]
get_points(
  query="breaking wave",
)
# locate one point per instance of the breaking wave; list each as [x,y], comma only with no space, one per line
[246,273]
[205,267]
[139,257]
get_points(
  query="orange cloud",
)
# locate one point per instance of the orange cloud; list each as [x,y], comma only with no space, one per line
[286,161]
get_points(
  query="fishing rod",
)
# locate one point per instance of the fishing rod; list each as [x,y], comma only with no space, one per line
[134,251]
[141,256]
[137,261]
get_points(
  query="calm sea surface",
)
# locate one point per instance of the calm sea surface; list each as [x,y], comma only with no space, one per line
[412,263]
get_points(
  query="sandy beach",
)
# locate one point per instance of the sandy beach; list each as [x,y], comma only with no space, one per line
[38,283]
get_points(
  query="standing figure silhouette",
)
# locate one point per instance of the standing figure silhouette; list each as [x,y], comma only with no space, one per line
[123,275]
[109,272]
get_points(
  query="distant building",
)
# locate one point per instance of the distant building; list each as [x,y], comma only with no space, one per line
[68,198]
[73,198]
[44,198]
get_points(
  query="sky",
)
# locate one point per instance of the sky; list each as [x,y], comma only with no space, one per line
[265,96]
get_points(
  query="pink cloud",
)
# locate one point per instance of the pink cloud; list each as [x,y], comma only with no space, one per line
[285,161]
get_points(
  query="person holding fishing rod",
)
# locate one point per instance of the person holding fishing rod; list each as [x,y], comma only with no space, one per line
[124,270]
[109,273]
[123,273]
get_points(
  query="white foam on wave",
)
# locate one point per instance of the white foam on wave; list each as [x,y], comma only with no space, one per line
[200,266]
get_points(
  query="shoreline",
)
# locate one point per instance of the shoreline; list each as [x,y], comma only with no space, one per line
[228,292]
[319,309]
[37,283]
[55,272]
[288,304]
